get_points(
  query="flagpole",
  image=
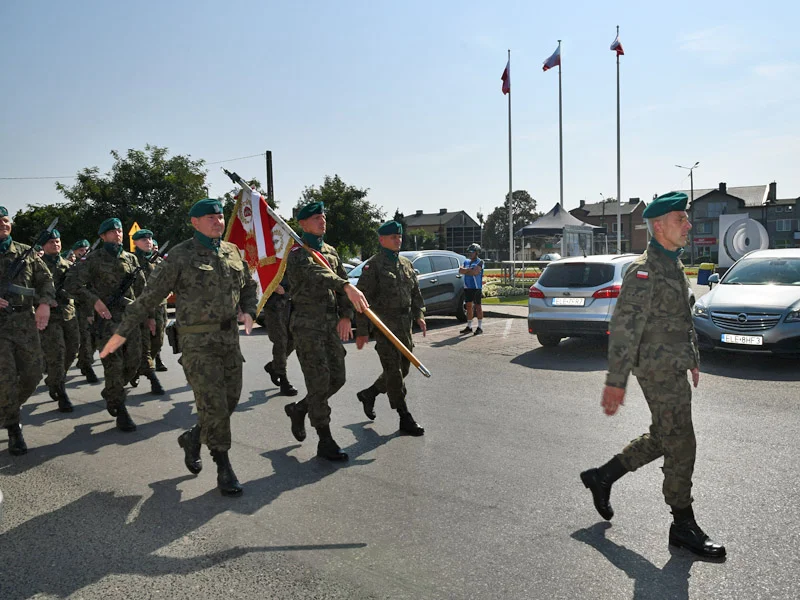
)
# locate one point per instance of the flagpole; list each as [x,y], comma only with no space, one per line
[619,184]
[510,185]
[560,132]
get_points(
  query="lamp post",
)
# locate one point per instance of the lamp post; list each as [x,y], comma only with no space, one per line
[691,198]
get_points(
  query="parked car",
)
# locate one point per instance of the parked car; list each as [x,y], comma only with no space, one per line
[576,297]
[755,307]
[441,284]
[550,256]
[348,267]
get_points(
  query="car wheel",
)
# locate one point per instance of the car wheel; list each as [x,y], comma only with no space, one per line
[461,310]
[548,340]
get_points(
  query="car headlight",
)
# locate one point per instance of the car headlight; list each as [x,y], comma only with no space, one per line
[793,316]
[700,310]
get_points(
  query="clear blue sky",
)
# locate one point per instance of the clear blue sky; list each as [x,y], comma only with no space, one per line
[404,98]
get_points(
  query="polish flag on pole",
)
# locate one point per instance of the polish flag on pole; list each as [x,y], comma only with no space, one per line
[554,60]
[263,241]
[507,78]
[617,46]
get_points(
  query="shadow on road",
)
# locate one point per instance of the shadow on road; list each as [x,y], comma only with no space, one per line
[754,367]
[649,582]
[572,354]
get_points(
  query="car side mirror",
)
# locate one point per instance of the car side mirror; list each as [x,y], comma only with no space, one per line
[712,279]
[416,271]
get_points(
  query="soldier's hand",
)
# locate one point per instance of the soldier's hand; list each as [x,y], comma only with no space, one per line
[423,326]
[112,345]
[613,398]
[42,316]
[361,341]
[3,302]
[345,329]
[279,290]
[151,325]
[102,310]
[695,376]
[356,296]
[248,323]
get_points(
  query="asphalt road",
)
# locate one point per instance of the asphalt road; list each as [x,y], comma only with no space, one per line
[487,504]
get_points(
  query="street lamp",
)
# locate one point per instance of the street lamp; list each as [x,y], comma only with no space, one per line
[691,197]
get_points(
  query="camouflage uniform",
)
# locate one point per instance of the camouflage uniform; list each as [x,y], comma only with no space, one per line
[86,348]
[652,335]
[98,276]
[318,303]
[20,352]
[151,344]
[209,288]
[277,310]
[61,339]
[390,285]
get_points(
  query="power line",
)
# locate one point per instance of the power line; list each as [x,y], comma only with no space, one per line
[217,162]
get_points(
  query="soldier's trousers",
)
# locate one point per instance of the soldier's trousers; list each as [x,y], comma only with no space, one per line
[215,374]
[321,355]
[20,360]
[86,349]
[60,342]
[671,435]
[121,366]
[395,365]
[157,340]
[277,324]
[147,360]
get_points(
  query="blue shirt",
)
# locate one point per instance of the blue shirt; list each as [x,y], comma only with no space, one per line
[473,282]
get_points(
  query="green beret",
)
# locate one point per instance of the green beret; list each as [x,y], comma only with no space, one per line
[142,233]
[80,244]
[311,209]
[51,235]
[155,242]
[208,206]
[3,211]
[37,248]
[390,228]
[666,204]
[108,225]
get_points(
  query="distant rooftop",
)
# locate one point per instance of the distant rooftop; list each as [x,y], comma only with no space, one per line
[443,217]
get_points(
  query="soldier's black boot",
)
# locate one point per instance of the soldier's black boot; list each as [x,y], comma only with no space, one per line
[287,389]
[599,482]
[408,425]
[88,372]
[16,443]
[190,442]
[686,533]
[135,381]
[64,404]
[226,478]
[298,417]
[124,421]
[53,391]
[155,384]
[327,448]
[160,366]
[367,399]
[273,375]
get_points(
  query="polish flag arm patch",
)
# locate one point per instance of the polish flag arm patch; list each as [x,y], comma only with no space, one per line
[642,275]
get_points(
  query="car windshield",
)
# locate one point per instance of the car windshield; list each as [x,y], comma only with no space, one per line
[576,275]
[356,271]
[764,271]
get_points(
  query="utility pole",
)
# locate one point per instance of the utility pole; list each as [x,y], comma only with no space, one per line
[691,199]
[270,189]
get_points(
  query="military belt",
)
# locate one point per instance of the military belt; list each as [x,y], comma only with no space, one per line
[666,337]
[207,327]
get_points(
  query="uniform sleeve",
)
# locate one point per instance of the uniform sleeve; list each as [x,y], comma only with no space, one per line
[76,284]
[43,282]
[368,284]
[417,303]
[248,297]
[346,310]
[162,281]
[316,275]
[627,326]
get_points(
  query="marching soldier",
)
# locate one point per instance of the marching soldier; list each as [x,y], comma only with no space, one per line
[20,351]
[85,320]
[320,322]
[277,310]
[97,279]
[653,336]
[211,283]
[391,287]
[61,338]
[143,240]
[157,341]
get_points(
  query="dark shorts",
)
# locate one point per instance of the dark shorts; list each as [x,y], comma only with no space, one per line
[473,296]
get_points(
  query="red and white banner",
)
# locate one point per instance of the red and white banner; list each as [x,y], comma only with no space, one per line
[263,242]
[554,60]
[507,78]
[617,46]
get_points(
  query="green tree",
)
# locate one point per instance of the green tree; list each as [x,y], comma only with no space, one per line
[144,186]
[495,235]
[419,239]
[352,220]
[29,223]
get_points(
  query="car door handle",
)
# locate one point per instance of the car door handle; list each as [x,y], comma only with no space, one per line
[433,280]
[459,276]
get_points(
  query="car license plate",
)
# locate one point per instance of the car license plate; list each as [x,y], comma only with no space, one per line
[747,340]
[568,301]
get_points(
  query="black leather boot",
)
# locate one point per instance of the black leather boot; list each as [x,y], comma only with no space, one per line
[160,366]
[16,443]
[367,399]
[190,442]
[273,375]
[88,372]
[686,533]
[327,448]
[64,404]
[226,478]
[408,425]
[53,391]
[135,381]
[599,482]
[155,384]
[287,389]
[124,421]
[298,417]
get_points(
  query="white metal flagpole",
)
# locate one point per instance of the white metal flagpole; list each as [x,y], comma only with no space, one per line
[510,185]
[619,181]
[560,131]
